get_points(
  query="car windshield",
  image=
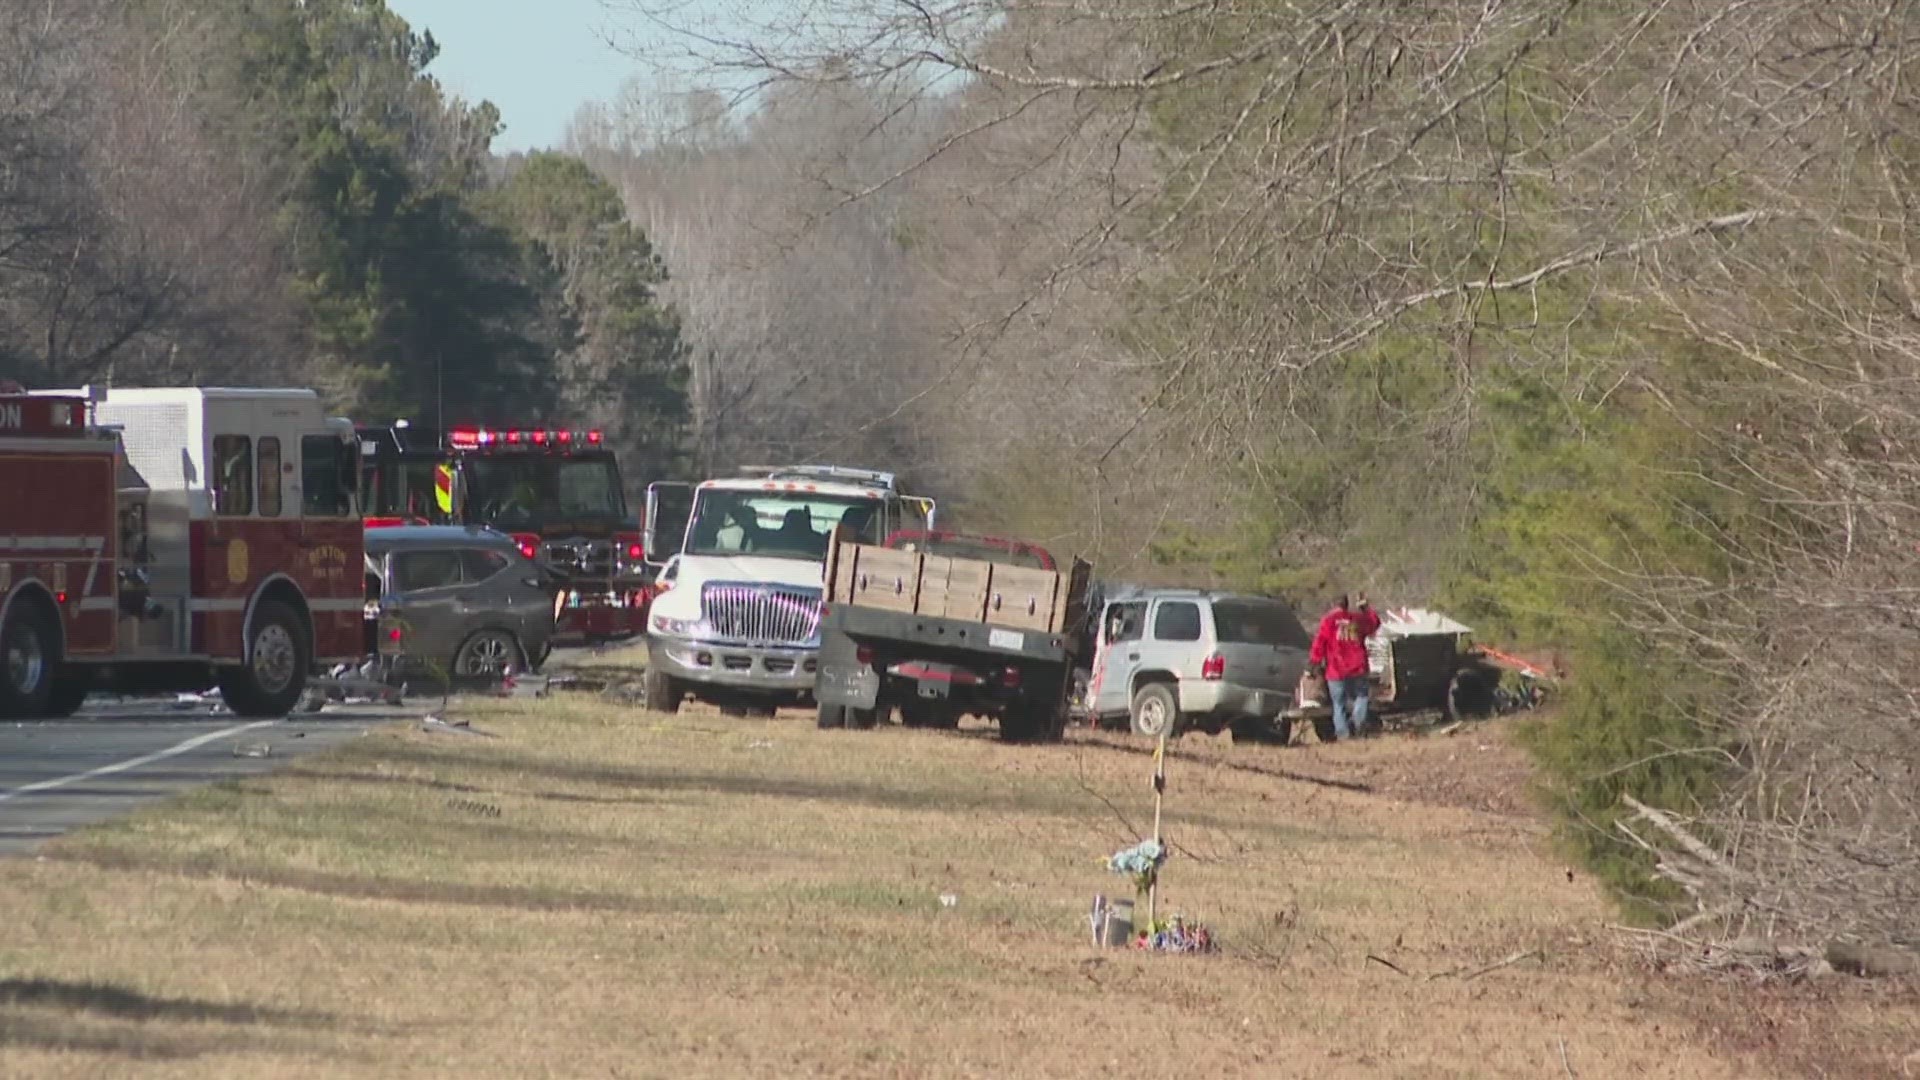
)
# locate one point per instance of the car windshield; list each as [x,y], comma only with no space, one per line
[1259,622]
[783,525]
[969,547]
[532,490]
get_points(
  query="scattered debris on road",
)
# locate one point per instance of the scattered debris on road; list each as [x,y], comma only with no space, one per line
[431,722]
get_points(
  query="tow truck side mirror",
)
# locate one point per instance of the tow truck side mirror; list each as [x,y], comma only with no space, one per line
[663,529]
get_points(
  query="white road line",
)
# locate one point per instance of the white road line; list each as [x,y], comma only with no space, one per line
[133,763]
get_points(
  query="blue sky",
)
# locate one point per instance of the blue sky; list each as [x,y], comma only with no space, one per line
[538,60]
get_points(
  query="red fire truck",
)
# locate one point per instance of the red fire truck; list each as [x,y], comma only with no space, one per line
[175,539]
[557,492]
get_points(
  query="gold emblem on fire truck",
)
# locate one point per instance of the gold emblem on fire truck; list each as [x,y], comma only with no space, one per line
[237,562]
[326,560]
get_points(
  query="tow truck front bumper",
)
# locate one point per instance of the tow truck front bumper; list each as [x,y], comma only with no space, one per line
[773,669]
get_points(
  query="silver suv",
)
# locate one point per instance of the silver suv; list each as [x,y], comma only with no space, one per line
[1167,659]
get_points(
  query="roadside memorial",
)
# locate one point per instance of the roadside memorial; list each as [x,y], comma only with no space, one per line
[1142,864]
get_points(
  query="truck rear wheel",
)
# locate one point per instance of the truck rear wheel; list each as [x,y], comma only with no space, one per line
[279,656]
[1032,720]
[26,662]
[663,694]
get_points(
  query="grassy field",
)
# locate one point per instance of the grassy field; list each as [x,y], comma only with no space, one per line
[601,892]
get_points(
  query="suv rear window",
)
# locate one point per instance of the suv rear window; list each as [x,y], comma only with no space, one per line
[430,569]
[481,565]
[1177,620]
[1250,622]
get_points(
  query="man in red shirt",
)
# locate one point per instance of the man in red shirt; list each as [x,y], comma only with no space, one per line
[1340,654]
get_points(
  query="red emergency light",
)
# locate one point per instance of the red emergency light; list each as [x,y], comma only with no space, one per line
[528,543]
[472,438]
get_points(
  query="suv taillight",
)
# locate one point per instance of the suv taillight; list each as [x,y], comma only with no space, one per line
[1213,668]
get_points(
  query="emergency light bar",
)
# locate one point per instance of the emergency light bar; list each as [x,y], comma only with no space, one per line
[474,438]
[866,477]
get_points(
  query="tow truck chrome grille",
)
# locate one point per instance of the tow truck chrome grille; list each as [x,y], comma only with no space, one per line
[762,614]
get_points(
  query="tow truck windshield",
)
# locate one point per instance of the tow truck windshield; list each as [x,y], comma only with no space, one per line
[781,525]
[532,490]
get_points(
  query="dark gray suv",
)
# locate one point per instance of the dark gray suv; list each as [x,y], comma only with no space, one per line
[461,602]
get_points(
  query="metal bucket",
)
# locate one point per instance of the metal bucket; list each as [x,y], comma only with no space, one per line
[1117,929]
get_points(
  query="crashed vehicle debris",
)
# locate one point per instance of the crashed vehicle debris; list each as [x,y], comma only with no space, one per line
[1421,661]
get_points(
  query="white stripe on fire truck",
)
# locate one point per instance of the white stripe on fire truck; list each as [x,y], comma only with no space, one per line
[88,544]
[97,603]
[215,606]
[228,607]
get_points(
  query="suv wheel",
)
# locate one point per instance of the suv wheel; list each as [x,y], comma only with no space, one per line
[1155,711]
[486,654]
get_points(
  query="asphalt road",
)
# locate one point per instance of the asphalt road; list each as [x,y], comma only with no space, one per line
[114,756]
[109,759]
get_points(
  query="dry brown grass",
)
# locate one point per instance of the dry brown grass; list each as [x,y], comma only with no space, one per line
[697,896]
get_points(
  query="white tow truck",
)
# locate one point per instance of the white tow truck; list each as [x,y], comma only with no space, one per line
[735,620]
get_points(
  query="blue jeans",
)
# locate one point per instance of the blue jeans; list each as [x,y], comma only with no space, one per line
[1348,695]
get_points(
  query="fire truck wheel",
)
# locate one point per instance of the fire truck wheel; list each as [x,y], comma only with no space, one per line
[67,697]
[26,662]
[279,654]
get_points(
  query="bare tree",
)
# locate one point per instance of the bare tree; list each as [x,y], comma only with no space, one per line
[800,338]
[133,249]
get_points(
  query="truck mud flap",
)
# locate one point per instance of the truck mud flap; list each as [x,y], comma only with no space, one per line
[842,679]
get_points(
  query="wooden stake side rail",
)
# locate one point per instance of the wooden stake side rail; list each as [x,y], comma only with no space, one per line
[940,586]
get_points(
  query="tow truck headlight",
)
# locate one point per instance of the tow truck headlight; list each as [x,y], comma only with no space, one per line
[676,627]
